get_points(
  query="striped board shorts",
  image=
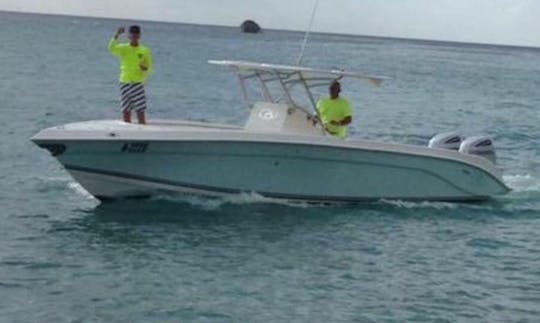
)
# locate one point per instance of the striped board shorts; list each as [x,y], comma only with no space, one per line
[132,96]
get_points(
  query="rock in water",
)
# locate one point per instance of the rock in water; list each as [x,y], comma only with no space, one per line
[250,26]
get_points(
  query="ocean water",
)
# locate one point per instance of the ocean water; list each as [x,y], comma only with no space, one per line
[64,257]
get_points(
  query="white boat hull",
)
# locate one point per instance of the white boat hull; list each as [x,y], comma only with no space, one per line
[231,161]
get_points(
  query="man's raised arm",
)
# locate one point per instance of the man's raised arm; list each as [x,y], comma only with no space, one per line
[113,44]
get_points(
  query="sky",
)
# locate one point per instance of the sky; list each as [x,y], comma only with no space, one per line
[508,22]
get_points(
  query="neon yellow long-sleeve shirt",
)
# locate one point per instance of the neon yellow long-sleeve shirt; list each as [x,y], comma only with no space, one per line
[131,59]
[335,110]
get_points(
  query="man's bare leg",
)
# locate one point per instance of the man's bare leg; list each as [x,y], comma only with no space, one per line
[127,115]
[141,116]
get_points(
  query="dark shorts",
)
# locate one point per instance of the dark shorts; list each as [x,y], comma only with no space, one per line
[132,96]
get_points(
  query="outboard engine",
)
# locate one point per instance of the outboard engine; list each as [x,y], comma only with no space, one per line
[479,145]
[447,140]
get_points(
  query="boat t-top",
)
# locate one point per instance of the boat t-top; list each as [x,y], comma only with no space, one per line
[279,153]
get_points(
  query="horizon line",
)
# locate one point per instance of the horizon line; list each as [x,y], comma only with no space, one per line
[427,40]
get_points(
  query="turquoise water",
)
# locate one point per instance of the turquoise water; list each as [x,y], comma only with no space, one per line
[64,257]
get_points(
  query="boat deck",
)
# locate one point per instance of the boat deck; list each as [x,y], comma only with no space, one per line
[152,125]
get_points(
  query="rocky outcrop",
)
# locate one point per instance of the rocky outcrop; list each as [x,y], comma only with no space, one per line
[250,26]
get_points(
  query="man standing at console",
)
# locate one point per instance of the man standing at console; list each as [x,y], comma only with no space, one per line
[136,66]
[335,112]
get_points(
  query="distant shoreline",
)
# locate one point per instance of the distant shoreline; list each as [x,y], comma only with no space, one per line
[415,40]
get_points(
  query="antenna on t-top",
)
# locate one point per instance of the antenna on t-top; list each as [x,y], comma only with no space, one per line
[308,31]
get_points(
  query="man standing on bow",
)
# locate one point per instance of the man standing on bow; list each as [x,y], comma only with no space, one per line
[335,112]
[135,66]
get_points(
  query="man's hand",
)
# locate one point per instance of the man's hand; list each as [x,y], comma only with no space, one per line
[143,65]
[346,121]
[119,32]
[343,122]
[314,119]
